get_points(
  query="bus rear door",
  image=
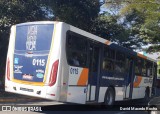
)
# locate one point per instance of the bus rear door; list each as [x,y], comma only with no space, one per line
[94,72]
[129,79]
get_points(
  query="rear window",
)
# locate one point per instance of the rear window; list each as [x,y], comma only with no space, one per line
[34,37]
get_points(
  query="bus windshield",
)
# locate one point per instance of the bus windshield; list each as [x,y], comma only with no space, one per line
[33,37]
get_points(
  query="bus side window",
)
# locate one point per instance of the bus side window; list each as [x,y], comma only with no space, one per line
[108,65]
[144,70]
[74,58]
[76,50]
[108,59]
[120,62]
[138,67]
[149,67]
[127,64]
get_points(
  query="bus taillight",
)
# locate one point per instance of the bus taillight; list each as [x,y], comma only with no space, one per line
[8,69]
[53,74]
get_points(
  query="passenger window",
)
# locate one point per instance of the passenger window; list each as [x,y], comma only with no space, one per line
[120,57]
[108,65]
[108,59]
[120,62]
[138,67]
[144,68]
[149,67]
[76,50]
[127,64]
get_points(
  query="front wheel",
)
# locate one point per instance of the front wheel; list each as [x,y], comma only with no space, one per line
[109,97]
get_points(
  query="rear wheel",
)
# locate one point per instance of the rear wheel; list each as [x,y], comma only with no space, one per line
[109,97]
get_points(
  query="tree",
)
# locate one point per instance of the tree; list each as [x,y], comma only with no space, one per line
[85,14]
[79,13]
[143,17]
[107,26]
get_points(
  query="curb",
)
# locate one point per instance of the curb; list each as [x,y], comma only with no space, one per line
[6,97]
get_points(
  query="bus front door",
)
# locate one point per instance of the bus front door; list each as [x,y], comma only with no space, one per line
[94,71]
[129,79]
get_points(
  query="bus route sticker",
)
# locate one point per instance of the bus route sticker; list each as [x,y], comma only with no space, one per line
[31,38]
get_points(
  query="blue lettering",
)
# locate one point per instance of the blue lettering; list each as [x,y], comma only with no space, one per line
[73,70]
[76,71]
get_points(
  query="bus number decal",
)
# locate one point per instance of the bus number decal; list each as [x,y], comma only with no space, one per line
[148,81]
[39,62]
[73,70]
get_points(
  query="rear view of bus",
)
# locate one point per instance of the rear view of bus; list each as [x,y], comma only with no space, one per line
[29,67]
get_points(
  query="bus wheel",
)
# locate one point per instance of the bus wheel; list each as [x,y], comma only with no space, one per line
[109,97]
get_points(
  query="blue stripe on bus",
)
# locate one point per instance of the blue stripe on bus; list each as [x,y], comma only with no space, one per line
[110,78]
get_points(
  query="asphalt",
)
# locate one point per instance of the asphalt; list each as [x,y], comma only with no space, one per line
[6,97]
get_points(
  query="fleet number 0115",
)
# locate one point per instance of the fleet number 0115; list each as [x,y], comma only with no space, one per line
[38,62]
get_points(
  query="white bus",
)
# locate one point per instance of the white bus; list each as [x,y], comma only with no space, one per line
[57,61]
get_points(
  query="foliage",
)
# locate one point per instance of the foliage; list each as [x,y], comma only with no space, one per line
[108,26]
[143,17]
[79,13]
[84,14]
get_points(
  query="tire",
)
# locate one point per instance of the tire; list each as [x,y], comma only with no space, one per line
[109,97]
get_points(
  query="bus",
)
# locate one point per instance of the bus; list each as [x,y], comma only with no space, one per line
[57,61]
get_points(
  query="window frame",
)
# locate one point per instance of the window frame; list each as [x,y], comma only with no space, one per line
[108,59]
[71,50]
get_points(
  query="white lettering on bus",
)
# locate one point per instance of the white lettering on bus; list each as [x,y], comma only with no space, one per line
[148,81]
[31,38]
[38,62]
[112,78]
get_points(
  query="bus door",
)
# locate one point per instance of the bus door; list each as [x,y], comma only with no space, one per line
[94,72]
[129,79]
